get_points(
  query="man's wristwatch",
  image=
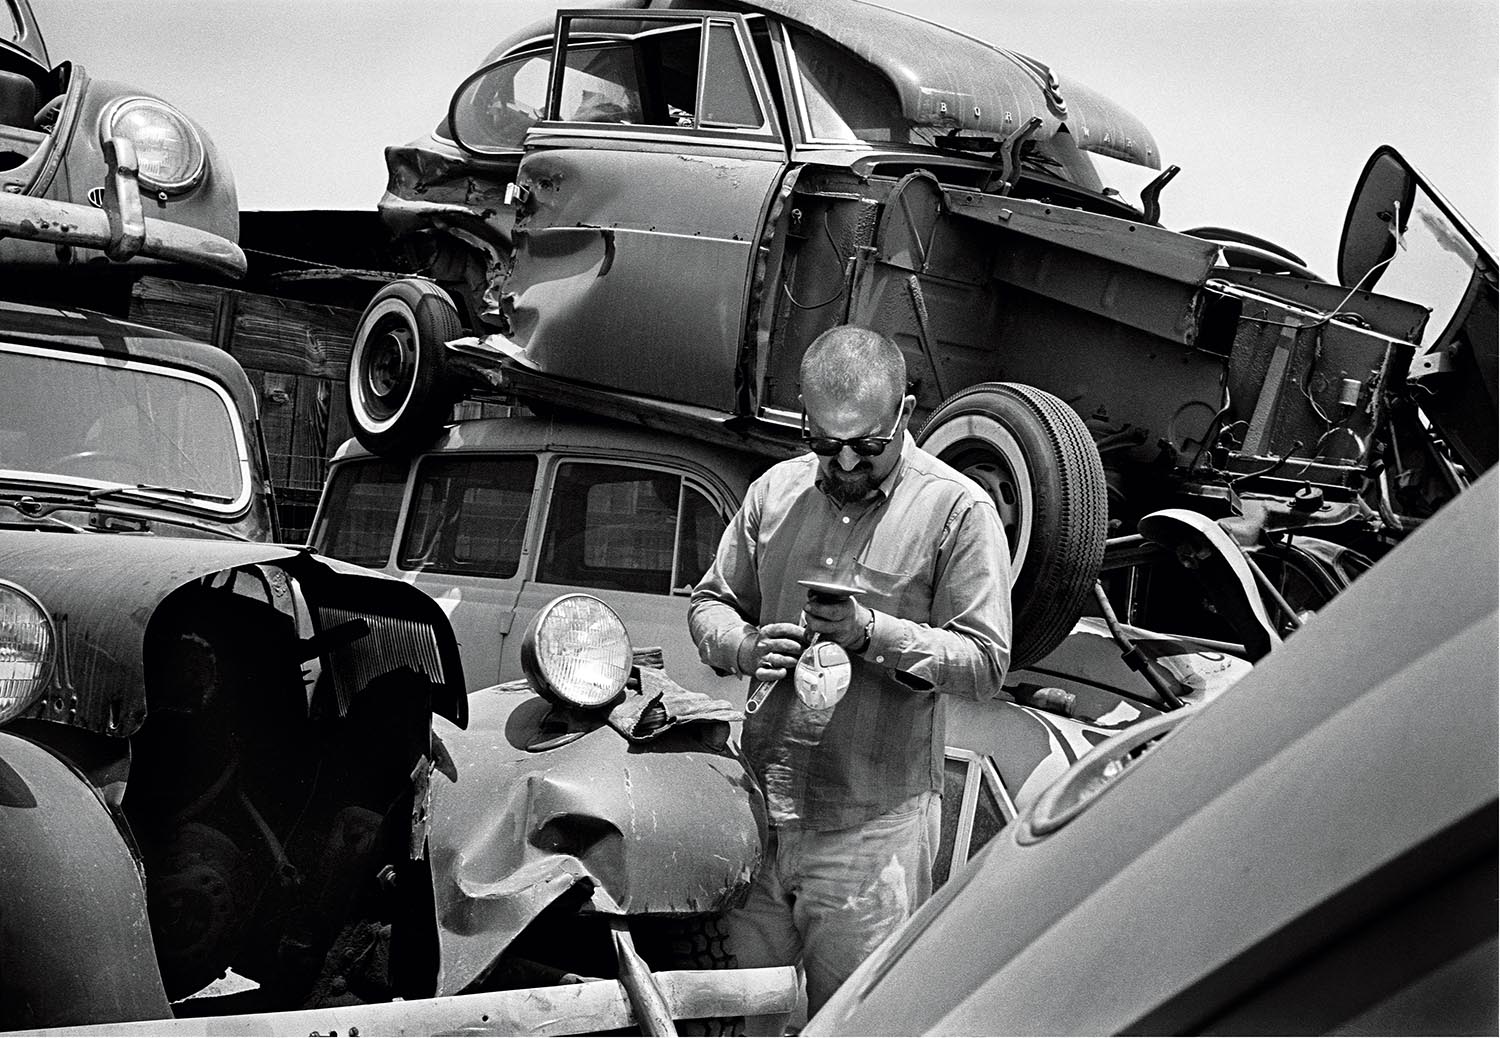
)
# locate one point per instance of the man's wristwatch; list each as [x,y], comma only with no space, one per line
[865,638]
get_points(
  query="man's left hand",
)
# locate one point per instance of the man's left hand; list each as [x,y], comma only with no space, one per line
[840,620]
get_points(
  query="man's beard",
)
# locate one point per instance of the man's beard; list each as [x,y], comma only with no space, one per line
[846,488]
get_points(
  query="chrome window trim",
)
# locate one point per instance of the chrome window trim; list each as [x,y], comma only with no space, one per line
[965,824]
[241,441]
[767,131]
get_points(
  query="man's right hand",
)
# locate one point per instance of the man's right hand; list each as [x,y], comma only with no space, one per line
[771,652]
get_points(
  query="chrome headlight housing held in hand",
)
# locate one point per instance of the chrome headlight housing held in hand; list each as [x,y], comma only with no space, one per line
[169,152]
[28,647]
[576,652]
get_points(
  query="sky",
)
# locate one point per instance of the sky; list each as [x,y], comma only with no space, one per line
[1271,107]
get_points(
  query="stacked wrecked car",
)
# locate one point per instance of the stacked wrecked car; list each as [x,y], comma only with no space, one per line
[218,764]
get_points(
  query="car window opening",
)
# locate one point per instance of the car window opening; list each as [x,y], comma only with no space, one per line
[468,516]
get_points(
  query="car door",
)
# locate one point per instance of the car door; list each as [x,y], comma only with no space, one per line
[463,543]
[643,197]
[637,536]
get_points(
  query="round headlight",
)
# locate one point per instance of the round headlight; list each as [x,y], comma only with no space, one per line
[168,150]
[27,648]
[576,651]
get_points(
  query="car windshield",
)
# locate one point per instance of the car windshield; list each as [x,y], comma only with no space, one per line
[83,420]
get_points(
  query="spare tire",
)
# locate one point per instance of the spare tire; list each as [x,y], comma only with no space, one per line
[399,392]
[1035,458]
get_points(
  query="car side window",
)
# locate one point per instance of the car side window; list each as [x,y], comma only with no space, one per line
[843,98]
[493,109]
[697,539]
[468,515]
[975,808]
[361,508]
[659,78]
[728,95]
[600,85]
[625,528]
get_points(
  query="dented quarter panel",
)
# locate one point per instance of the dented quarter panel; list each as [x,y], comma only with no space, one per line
[102,594]
[429,177]
[605,230]
[518,829]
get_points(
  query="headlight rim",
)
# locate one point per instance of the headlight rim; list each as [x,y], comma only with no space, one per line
[118,106]
[532,665]
[44,679]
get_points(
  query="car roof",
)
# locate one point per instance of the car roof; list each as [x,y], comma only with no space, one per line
[82,331]
[1368,733]
[945,79]
[525,433]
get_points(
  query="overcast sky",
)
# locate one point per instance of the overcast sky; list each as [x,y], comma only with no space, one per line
[1269,106]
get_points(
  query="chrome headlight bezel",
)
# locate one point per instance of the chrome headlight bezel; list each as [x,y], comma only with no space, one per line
[17,693]
[569,629]
[197,154]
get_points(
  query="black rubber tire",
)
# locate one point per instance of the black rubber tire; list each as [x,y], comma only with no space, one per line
[1036,459]
[691,943]
[399,392]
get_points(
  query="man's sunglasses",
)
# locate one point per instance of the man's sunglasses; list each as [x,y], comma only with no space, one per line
[864,446]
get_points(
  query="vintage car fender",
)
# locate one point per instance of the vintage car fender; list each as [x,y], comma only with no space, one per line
[102,594]
[512,828]
[59,845]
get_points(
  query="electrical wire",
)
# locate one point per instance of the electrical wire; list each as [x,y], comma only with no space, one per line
[843,286]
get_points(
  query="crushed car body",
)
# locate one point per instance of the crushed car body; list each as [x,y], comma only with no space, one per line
[647,189]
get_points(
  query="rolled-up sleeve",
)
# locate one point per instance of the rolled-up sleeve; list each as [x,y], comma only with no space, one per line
[965,649]
[726,602]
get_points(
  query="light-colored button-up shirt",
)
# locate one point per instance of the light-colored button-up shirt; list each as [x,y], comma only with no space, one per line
[929,548]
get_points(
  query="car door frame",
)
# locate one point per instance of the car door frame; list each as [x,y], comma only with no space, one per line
[591,198]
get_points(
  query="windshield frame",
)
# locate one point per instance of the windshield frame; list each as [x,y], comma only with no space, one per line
[197,502]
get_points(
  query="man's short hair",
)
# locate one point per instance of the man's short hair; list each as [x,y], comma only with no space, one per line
[847,359]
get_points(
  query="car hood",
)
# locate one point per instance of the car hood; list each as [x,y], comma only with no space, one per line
[102,591]
[1288,803]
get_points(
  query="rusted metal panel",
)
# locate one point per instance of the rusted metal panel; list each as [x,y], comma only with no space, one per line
[66,223]
[588,1008]
[1167,254]
[104,603]
[521,827]
[949,80]
[601,229]
[60,846]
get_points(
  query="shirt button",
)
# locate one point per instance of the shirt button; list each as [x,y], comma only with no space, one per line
[845,519]
[879,659]
[828,561]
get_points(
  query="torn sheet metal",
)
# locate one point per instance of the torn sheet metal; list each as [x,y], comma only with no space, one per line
[673,825]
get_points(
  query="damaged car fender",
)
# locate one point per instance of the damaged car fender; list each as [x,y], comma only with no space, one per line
[59,844]
[542,803]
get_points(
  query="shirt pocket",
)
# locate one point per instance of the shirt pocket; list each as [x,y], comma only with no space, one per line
[895,592]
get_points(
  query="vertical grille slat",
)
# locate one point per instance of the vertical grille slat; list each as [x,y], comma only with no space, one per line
[391,644]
